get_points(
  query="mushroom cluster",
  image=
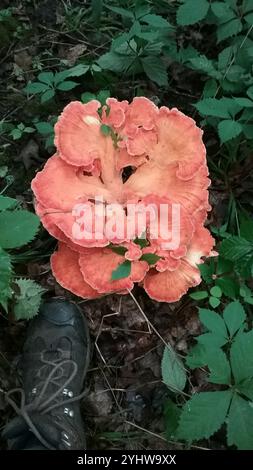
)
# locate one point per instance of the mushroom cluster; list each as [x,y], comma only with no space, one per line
[113,157]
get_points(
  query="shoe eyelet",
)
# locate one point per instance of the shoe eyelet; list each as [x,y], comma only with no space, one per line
[69,412]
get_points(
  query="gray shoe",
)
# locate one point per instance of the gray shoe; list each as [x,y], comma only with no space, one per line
[54,364]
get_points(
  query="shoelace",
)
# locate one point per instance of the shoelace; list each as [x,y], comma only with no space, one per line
[40,404]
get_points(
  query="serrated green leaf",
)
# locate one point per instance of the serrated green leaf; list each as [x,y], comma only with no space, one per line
[222,10]
[121,11]
[231,28]
[240,424]
[246,388]
[171,414]
[5,277]
[122,271]
[205,65]
[17,228]
[67,85]
[217,362]
[212,107]
[228,130]
[234,316]
[28,299]
[241,356]
[213,322]
[36,87]
[115,62]
[250,92]
[203,415]
[46,77]
[196,356]
[249,18]
[156,21]
[211,340]
[155,69]
[173,373]
[199,295]
[210,88]
[234,248]
[7,203]
[188,13]
[47,96]
[225,57]
[228,286]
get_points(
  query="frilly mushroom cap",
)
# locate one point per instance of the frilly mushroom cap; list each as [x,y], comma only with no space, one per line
[165,158]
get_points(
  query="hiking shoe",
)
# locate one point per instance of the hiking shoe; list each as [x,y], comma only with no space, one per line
[54,365]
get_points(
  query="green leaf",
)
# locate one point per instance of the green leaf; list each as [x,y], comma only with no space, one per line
[240,424]
[241,356]
[206,272]
[106,130]
[47,96]
[197,356]
[102,96]
[188,13]
[44,128]
[212,107]
[173,373]
[66,86]
[122,271]
[249,18]
[120,250]
[28,299]
[210,88]
[121,11]
[36,87]
[5,277]
[221,9]
[199,295]
[171,414]
[156,21]
[234,316]
[87,96]
[214,302]
[228,286]
[216,291]
[115,62]
[246,388]
[211,340]
[7,203]
[3,171]
[17,228]
[213,322]
[250,92]
[228,130]
[155,69]
[244,102]
[78,70]
[142,242]
[205,65]
[231,28]
[150,258]
[16,134]
[219,367]
[234,248]
[203,415]
[225,57]
[46,77]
